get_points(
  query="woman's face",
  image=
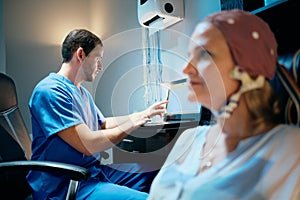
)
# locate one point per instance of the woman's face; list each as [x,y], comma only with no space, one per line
[209,67]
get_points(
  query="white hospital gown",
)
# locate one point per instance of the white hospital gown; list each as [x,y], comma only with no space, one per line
[262,167]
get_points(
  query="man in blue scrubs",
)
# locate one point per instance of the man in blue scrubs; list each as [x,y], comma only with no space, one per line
[68,127]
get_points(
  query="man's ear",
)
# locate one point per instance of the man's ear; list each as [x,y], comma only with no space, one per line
[80,54]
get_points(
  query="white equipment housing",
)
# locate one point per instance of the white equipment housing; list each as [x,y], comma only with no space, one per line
[160,14]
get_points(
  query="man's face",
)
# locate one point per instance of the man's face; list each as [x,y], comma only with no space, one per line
[93,63]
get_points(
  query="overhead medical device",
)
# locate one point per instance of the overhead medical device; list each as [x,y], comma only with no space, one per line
[160,14]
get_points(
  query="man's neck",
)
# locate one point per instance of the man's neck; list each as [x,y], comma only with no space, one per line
[71,73]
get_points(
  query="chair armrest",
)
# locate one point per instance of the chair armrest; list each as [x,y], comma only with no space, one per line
[75,172]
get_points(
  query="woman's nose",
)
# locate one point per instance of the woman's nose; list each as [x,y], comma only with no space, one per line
[190,68]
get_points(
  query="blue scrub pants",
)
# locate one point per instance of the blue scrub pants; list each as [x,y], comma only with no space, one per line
[118,181]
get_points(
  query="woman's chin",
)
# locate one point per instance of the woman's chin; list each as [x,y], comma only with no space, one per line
[193,98]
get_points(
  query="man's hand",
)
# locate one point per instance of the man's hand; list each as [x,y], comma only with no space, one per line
[138,119]
[158,108]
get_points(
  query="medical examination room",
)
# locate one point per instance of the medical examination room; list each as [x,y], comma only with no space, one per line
[149,99]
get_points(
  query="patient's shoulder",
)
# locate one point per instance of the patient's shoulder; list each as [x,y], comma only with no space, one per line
[190,135]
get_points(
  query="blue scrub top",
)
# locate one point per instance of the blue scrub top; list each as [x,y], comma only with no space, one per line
[56,104]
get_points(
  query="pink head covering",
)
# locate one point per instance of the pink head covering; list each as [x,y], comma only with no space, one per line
[252,43]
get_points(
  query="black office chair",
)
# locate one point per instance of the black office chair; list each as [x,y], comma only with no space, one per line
[15,150]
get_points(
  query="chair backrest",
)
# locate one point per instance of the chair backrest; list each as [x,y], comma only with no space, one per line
[10,116]
[13,184]
[15,142]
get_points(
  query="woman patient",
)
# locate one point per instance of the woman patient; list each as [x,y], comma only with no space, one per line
[248,153]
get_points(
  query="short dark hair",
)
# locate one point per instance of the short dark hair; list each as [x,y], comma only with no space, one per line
[79,38]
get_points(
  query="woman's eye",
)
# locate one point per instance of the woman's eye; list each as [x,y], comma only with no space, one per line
[203,53]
